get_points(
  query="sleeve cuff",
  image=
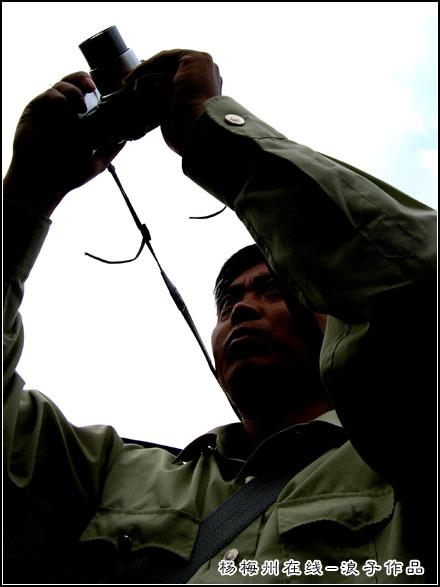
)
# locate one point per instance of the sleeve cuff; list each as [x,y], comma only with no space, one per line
[222,149]
[24,234]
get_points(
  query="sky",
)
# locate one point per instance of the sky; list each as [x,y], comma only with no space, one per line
[354,80]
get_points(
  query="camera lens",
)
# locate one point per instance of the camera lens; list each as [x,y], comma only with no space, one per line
[109,60]
[102,47]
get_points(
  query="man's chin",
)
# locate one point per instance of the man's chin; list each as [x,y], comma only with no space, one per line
[248,371]
[251,382]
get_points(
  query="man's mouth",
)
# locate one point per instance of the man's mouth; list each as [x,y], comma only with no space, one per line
[245,335]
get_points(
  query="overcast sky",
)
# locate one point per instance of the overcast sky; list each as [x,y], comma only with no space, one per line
[354,80]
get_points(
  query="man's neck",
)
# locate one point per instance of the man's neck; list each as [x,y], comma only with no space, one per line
[258,429]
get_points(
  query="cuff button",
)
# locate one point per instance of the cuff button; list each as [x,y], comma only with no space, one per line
[234,119]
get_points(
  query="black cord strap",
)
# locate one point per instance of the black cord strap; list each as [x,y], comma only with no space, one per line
[146,238]
[209,215]
[118,262]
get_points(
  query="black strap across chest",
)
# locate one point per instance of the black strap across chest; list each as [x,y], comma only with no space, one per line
[227,521]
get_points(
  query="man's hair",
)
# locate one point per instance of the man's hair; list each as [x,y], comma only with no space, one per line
[239,262]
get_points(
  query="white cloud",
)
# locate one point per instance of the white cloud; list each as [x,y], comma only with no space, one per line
[430,159]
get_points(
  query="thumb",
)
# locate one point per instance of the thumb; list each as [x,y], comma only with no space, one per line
[104,156]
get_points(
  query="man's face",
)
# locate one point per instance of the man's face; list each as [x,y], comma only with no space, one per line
[256,340]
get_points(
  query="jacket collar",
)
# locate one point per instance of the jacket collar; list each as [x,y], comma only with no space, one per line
[216,438]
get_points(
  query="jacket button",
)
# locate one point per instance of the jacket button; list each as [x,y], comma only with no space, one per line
[231,555]
[234,119]
[125,543]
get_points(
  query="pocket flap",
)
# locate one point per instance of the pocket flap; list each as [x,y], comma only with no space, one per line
[354,511]
[168,529]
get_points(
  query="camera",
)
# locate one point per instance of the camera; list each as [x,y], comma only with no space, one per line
[120,109]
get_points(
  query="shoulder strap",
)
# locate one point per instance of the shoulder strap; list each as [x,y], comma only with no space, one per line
[227,521]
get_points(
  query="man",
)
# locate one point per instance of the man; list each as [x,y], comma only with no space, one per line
[357,443]
[267,358]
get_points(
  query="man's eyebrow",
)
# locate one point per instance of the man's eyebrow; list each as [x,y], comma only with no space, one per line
[231,290]
[238,288]
[263,278]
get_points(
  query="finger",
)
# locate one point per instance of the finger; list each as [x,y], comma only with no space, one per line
[82,80]
[72,95]
[61,98]
[163,62]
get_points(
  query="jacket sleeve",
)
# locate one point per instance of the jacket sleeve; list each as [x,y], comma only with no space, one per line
[46,461]
[349,246]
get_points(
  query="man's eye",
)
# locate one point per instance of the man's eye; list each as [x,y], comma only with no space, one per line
[225,303]
[270,286]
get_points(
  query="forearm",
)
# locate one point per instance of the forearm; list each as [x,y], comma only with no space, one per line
[74,458]
[23,236]
[24,185]
[340,240]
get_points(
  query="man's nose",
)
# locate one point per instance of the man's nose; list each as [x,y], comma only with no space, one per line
[246,309]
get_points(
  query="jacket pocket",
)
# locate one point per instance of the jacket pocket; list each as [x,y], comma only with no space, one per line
[334,534]
[132,530]
[135,546]
[352,511]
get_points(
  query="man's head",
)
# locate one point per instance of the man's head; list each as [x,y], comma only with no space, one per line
[266,355]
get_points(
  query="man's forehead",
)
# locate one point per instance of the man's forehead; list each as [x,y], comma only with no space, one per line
[250,275]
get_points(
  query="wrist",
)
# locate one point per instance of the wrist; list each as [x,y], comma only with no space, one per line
[26,189]
[23,236]
[177,129]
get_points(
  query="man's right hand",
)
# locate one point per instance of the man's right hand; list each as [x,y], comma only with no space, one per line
[195,78]
[49,157]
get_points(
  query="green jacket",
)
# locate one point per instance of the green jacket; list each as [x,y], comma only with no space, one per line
[82,505]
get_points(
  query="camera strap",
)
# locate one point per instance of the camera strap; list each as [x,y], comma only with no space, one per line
[146,240]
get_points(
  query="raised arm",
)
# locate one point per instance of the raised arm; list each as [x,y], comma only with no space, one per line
[346,244]
[49,160]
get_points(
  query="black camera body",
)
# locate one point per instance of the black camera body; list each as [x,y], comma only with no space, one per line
[120,110]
